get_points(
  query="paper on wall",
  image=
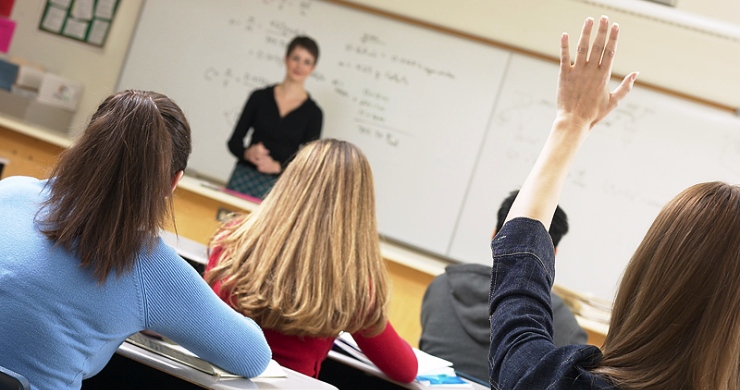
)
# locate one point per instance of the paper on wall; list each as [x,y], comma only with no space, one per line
[83,9]
[104,9]
[29,77]
[98,31]
[7,28]
[75,28]
[59,92]
[54,19]
[8,74]
[61,3]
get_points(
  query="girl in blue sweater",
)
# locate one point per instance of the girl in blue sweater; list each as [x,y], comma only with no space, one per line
[81,263]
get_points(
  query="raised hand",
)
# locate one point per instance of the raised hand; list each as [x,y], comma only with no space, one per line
[583,95]
[583,100]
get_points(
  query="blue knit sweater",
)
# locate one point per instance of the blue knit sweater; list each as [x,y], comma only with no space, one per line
[58,326]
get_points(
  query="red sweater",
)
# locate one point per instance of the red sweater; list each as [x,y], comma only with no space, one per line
[393,355]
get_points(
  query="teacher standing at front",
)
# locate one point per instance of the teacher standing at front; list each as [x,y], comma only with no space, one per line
[282,117]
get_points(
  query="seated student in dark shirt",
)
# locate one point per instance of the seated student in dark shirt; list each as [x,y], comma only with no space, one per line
[454,311]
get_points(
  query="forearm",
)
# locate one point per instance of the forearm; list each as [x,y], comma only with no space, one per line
[583,101]
[540,193]
[182,307]
[236,143]
[393,355]
[245,122]
[519,304]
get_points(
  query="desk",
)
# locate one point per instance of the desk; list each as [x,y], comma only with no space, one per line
[341,366]
[294,380]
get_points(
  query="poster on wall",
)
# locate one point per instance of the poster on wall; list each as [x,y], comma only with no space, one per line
[83,20]
[6,7]
[7,27]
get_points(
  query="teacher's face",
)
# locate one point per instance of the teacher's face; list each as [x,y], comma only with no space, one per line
[299,64]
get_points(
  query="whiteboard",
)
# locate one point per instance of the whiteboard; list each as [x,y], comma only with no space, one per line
[415,100]
[646,152]
[450,126]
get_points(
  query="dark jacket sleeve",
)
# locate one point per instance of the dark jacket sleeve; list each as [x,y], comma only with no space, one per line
[522,354]
[236,142]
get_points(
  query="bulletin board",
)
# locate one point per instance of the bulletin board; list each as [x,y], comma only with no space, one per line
[86,21]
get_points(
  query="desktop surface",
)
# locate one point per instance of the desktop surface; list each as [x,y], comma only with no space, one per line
[133,367]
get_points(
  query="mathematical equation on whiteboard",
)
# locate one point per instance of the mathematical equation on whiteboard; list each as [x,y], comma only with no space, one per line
[356,76]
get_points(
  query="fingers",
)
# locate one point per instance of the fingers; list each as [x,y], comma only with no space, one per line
[260,149]
[600,41]
[623,89]
[607,59]
[583,41]
[564,52]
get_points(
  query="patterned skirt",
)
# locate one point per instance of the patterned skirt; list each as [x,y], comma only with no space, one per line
[249,181]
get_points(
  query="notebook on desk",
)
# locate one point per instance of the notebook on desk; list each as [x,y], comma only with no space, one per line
[434,372]
[173,351]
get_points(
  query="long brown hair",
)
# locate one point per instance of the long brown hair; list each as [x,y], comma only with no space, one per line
[676,317]
[110,191]
[307,261]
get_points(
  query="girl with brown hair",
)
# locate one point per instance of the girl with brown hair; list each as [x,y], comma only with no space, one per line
[81,263]
[675,319]
[306,264]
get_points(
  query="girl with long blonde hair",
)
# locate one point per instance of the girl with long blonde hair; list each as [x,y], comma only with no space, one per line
[306,264]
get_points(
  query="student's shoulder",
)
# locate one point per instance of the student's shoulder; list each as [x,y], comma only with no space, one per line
[163,274]
[464,276]
[162,261]
[20,181]
[21,186]
[469,268]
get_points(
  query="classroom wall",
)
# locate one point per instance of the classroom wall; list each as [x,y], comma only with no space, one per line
[672,57]
[685,61]
[95,67]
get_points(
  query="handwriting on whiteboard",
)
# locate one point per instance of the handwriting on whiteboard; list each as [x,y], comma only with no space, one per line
[366,65]
[301,7]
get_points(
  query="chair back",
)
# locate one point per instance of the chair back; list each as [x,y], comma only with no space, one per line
[10,380]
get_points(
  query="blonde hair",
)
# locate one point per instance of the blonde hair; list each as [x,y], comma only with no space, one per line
[675,322]
[307,261]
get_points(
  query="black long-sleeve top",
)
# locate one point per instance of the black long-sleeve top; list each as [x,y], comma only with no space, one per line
[282,136]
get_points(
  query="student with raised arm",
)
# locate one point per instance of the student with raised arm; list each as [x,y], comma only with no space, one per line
[306,264]
[454,310]
[674,323]
[82,266]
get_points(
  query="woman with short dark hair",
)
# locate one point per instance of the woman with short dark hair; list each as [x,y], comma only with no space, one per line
[281,118]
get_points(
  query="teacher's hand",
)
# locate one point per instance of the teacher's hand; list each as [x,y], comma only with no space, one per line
[255,152]
[266,164]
